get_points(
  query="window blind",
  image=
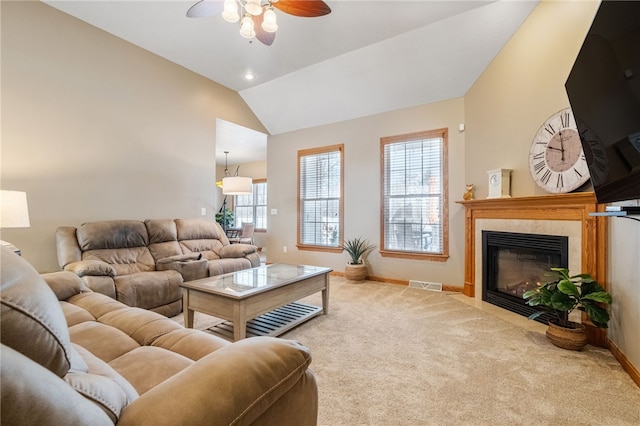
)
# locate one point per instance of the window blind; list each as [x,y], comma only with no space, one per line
[413,193]
[320,200]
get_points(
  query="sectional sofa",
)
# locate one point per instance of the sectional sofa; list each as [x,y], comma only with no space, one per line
[143,263]
[71,356]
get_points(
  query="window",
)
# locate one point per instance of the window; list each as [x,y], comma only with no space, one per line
[252,208]
[414,195]
[320,198]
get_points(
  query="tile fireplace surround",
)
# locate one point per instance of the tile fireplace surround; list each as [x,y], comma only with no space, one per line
[562,214]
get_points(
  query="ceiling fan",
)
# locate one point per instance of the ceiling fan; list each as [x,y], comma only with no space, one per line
[257,17]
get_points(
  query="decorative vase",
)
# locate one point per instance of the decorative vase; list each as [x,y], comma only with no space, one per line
[357,272]
[573,338]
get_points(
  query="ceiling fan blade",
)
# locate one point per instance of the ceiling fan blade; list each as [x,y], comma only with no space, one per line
[205,8]
[263,36]
[304,8]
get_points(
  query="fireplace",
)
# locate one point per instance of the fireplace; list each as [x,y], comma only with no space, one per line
[513,263]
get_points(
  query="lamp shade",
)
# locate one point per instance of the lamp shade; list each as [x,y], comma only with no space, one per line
[15,213]
[236,185]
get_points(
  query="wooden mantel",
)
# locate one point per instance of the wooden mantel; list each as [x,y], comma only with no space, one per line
[574,207]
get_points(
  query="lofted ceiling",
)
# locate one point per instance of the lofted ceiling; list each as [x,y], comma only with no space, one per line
[364,58]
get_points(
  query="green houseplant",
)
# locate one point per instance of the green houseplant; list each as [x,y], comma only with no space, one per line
[356,248]
[225,219]
[561,297]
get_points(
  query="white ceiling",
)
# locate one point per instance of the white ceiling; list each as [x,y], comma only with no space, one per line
[366,57]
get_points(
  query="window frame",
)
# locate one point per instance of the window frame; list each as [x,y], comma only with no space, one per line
[407,254]
[315,151]
[253,205]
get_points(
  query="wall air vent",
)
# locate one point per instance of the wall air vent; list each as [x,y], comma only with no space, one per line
[424,285]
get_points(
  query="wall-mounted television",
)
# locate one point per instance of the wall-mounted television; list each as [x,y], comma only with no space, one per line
[604,93]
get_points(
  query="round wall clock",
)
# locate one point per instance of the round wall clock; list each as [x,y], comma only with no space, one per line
[556,160]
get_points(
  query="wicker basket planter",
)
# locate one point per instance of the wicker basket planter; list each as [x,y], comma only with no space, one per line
[356,272]
[574,338]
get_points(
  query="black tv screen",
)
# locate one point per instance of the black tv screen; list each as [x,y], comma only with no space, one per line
[604,93]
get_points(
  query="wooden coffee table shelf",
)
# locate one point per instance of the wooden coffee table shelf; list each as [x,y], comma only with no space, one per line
[261,301]
[273,323]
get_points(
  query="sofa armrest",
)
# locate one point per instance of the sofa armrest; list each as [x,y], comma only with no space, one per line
[191,266]
[65,284]
[237,250]
[92,268]
[236,384]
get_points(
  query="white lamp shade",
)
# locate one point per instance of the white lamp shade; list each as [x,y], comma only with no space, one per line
[15,213]
[236,185]
[269,23]
[253,7]
[246,27]
[230,11]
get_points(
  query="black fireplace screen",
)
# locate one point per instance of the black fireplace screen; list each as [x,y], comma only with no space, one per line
[514,263]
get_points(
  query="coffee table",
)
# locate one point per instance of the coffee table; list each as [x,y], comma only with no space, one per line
[259,301]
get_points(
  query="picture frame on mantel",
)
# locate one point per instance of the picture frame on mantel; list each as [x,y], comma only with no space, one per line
[499,183]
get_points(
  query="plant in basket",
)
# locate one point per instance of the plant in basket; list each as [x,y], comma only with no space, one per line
[562,296]
[357,249]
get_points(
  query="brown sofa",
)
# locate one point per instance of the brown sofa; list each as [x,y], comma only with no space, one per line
[71,356]
[143,263]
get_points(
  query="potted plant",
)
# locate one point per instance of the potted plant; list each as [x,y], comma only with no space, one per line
[225,219]
[357,248]
[563,295]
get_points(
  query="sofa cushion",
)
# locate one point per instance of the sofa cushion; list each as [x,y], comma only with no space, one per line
[124,260]
[102,385]
[146,366]
[149,289]
[161,230]
[191,343]
[201,235]
[163,238]
[31,317]
[224,266]
[112,234]
[207,247]
[105,342]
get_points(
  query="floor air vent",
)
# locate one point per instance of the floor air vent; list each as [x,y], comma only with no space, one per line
[425,285]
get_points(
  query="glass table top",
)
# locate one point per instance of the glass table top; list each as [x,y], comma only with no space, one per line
[255,280]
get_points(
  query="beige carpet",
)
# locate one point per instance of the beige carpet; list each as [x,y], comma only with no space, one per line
[391,355]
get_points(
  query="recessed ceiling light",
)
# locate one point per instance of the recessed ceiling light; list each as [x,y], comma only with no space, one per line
[249,76]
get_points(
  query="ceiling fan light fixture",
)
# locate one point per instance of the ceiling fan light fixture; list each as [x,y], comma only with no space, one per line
[246,27]
[249,12]
[269,20]
[253,7]
[230,11]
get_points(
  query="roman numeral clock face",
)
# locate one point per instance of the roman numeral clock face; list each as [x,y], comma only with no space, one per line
[556,159]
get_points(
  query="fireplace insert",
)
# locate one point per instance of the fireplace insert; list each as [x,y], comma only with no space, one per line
[513,263]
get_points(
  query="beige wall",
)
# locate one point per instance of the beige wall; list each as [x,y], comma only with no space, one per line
[624,283]
[520,89]
[95,128]
[361,139]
